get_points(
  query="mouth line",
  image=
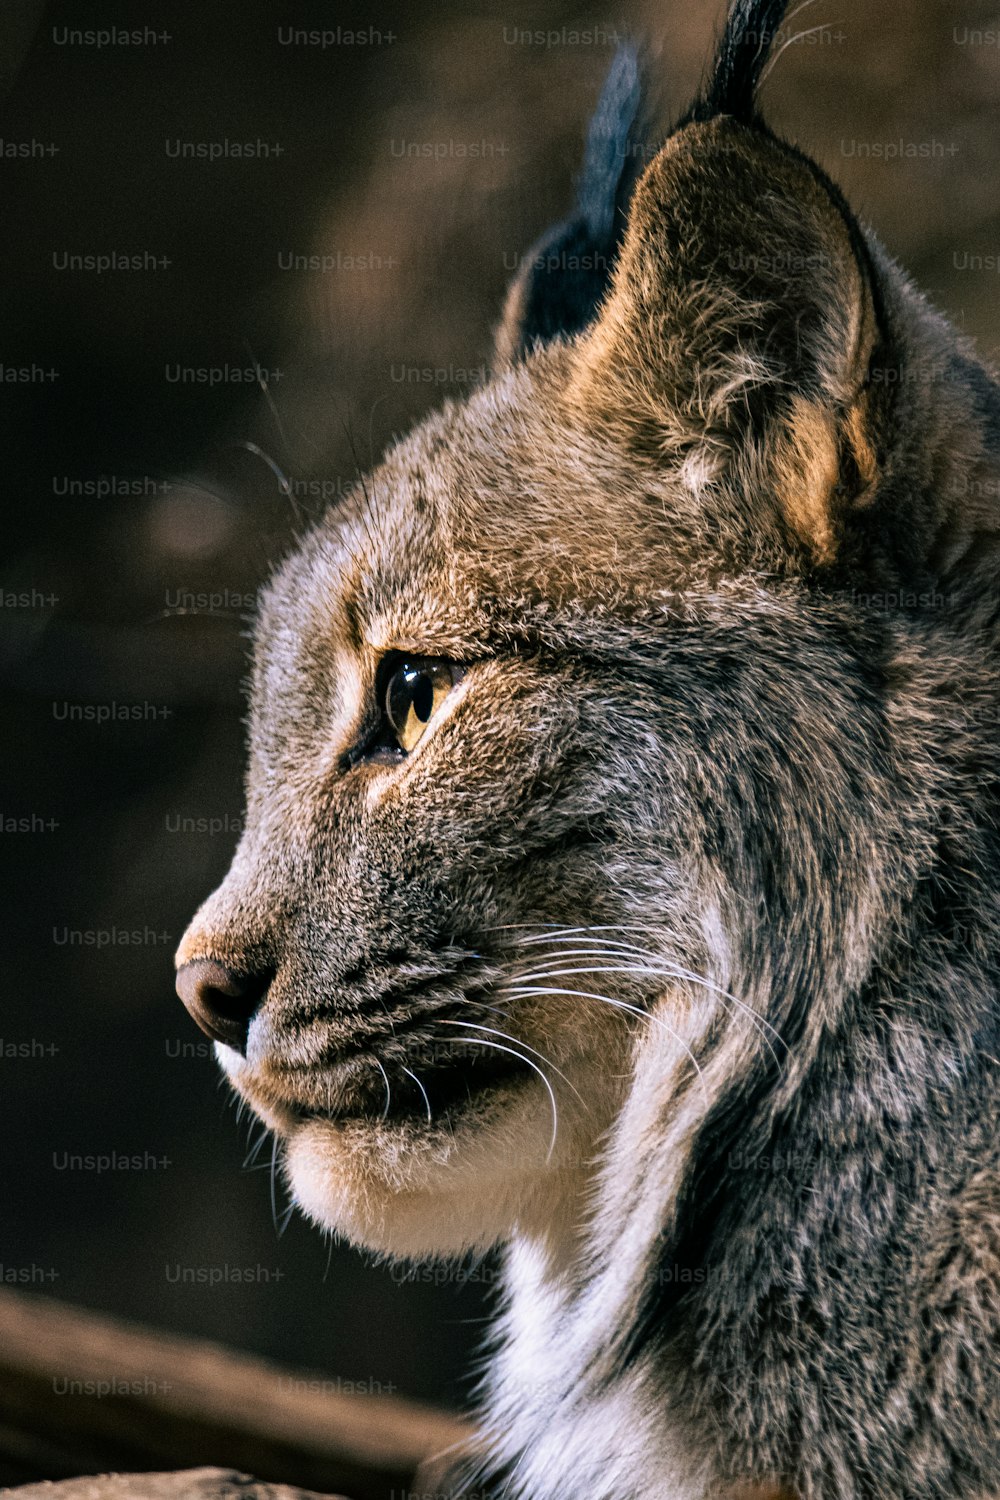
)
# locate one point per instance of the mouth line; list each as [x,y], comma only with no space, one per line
[414,1073]
[429,1096]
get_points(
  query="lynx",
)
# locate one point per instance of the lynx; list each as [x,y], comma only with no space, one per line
[619,878]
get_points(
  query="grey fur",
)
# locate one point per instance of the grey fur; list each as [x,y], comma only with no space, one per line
[721,571]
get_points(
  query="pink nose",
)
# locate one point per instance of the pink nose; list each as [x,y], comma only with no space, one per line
[220,1001]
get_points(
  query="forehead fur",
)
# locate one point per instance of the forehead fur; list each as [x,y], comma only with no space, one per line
[496,509]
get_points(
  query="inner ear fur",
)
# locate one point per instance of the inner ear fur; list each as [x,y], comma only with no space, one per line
[741,312]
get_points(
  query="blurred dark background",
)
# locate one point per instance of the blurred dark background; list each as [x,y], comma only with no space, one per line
[151,481]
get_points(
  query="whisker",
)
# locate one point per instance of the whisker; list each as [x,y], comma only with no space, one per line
[256,451]
[274,1183]
[388,1087]
[254,1150]
[662,969]
[266,389]
[543,929]
[478,1042]
[603,946]
[649,966]
[796,36]
[635,1010]
[518,1042]
[427,1102]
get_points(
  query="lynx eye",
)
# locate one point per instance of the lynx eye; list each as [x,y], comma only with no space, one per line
[413,694]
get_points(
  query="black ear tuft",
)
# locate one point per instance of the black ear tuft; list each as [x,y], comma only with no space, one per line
[566,273]
[612,161]
[739,61]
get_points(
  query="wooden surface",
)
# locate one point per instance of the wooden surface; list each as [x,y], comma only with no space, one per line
[189,1484]
[84,1394]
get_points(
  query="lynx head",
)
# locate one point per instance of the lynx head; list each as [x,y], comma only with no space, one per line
[577,787]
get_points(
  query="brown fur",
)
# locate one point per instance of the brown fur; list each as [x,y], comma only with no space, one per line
[704,831]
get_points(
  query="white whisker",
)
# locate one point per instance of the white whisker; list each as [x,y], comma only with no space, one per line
[662,968]
[480,1042]
[635,1010]
[653,966]
[388,1089]
[274,1184]
[427,1102]
[518,1042]
[254,1148]
[542,931]
[797,36]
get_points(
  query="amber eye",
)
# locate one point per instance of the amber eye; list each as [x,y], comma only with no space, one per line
[413,694]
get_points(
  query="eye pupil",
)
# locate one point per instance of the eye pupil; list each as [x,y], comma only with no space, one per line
[422,689]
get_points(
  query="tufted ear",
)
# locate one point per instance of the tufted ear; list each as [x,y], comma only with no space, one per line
[568,270]
[724,301]
[740,326]
[565,273]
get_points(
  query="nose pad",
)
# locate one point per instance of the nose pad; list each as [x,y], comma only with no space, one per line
[220,1001]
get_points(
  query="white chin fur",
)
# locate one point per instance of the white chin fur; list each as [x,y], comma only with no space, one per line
[412,1192]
